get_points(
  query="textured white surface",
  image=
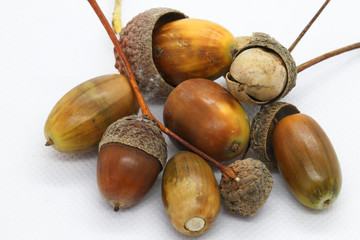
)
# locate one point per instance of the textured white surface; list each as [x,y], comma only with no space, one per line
[48,47]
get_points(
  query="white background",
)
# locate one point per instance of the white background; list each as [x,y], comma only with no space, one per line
[49,47]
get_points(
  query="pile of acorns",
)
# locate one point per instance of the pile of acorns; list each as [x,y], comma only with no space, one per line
[176,57]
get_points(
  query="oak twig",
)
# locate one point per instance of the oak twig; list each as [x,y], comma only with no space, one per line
[308,26]
[144,108]
[326,56]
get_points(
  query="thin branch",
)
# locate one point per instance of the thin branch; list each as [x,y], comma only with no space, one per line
[308,26]
[144,108]
[326,56]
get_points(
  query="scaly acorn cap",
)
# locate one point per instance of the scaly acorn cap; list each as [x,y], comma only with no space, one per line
[262,128]
[249,194]
[139,132]
[263,40]
[136,42]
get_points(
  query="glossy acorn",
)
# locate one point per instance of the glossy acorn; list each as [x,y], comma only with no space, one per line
[132,153]
[206,115]
[80,118]
[190,193]
[307,160]
[164,48]
[299,147]
[192,48]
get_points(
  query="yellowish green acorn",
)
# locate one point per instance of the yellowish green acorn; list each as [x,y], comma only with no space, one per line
[78,121]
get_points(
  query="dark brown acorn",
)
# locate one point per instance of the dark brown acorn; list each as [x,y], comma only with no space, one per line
[132,153]
[206,115]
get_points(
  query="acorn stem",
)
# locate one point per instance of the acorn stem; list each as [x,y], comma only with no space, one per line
[144,108]
[49,142]
[307,27]
[116,20]
[326,56]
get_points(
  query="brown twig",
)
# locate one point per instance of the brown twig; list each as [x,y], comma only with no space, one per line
[326,56]
[308,26]
[144,108]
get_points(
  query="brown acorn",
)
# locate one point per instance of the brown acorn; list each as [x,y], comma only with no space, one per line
[207,116]
[262,72]
[164,48]
[302,152]
[80,118]
[190,193]
[192,48]
[132,153]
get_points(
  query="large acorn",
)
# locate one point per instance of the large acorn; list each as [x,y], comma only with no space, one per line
[132,153]
[190,193]
[299,147]
[263,71]
[164,48]
[207,116]
[80,118]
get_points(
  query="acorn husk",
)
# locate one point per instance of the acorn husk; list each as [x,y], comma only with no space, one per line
[262,127]
[262,40]
[250,193]
[136,42]
[140,132]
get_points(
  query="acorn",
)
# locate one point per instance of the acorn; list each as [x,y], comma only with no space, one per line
[207,116]
[192,48]
[249,194]
[80,118]
[301,150]
[190,193]
[132,153]
[164,48]
[262,72]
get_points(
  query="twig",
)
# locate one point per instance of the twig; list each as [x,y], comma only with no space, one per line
[326,56]
[144,108]
[308,26]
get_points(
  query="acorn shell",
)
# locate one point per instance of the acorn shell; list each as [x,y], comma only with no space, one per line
[265,41]
[262,127]
[139,132]
[249,194]
[136,42]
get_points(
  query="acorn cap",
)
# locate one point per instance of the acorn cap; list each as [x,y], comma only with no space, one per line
[136,42]
[139,132]
[262,128]
[265,41]
[249,194]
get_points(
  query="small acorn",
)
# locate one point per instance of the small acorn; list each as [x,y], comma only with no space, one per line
[299,147]
[207,116]
[190,193]
[80,118]
[164,48]
[262,72]
[247,195]
[132,153]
